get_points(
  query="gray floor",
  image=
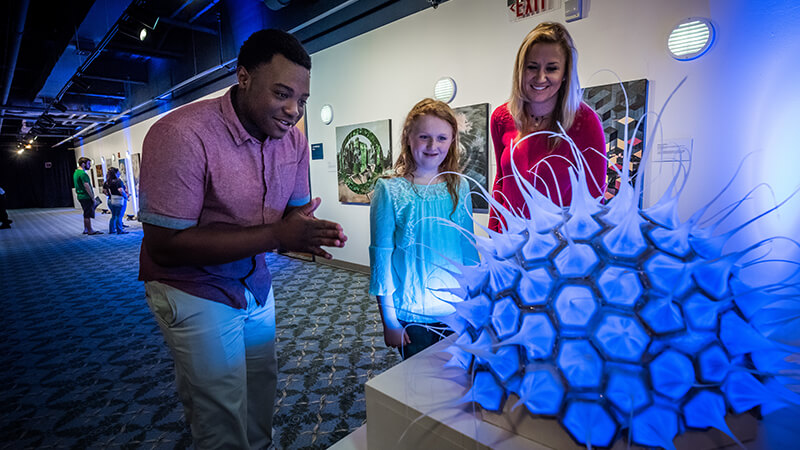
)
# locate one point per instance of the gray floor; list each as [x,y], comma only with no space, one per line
[84,365]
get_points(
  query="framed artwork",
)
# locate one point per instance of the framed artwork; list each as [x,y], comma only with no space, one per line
[473,145]
[136,162]
[123,171]
[363,154]
[100,183]
[608,101]
[98,168]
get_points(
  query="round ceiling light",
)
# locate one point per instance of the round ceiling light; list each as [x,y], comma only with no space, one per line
[326,114]
[445,89]
[690,39]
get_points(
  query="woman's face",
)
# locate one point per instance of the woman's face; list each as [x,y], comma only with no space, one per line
[544,74]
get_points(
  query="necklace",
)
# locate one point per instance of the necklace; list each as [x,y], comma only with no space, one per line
[538,121]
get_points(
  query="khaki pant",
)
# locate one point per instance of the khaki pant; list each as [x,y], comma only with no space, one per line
[225,365]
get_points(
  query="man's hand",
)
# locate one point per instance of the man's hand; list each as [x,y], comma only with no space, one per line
[301,231]
[395,336]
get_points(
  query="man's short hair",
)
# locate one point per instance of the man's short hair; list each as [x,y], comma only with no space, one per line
[82,160]
[262,45]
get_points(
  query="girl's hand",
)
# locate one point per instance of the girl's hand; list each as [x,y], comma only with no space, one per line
[395,337]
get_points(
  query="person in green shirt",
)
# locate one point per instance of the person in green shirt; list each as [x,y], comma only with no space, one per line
[83,188]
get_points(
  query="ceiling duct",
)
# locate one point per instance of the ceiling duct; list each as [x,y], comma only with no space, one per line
[276,4]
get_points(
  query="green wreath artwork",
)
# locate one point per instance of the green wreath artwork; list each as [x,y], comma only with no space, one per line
[361,154]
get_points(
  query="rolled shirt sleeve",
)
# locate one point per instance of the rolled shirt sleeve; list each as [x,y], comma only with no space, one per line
[382,225]
[172,177]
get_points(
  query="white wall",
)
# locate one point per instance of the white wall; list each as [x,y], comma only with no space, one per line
[740,97]
[383,73]
[723,106]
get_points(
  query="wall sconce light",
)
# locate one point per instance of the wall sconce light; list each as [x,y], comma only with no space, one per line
[690,39]
[326,114]
[445,89]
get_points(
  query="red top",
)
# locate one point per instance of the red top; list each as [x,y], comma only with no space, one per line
[201,167]
[586,132]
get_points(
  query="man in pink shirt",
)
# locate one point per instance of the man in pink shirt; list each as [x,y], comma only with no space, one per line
[222,182]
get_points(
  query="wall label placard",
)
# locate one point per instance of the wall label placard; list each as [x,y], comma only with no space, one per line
[316,151]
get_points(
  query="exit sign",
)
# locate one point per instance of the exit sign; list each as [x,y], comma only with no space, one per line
[520,9]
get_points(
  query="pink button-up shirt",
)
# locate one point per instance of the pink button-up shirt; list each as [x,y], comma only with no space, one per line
[200,167]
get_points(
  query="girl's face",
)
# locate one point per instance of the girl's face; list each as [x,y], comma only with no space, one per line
[429,141]
[545,66]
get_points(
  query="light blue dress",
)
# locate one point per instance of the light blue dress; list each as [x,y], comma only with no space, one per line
[410,246]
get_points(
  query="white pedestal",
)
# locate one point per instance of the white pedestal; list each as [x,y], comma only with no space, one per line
[414,405]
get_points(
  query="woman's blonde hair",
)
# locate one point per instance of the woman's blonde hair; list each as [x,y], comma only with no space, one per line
[406,166]
[569,93]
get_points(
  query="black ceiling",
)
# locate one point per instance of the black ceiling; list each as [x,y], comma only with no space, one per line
[78,69]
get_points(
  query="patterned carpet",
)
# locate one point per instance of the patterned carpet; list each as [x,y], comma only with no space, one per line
[85,366]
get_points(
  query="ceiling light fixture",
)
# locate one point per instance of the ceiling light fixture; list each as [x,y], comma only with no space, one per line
[47,121]
[143,17]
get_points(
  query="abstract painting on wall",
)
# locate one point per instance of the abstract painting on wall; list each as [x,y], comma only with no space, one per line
[473,135]
[363,154]
[608,101]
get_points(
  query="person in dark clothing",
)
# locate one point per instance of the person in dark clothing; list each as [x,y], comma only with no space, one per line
[115,190]
[5,222]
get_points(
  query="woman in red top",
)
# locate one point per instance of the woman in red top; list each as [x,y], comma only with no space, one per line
[545,94]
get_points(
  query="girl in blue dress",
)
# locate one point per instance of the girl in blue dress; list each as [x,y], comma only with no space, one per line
[411,247]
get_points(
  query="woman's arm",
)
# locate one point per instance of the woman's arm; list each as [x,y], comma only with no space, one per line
[496,129]
[594,150]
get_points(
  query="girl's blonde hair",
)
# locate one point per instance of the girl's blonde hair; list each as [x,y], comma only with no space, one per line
[569,94]
[406,166]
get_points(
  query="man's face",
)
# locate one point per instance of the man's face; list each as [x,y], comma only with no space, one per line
[271,98]
[86,165]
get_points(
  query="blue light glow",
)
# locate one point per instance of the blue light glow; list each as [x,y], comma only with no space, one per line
[609,317]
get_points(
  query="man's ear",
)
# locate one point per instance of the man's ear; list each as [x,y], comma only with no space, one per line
[242,76]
